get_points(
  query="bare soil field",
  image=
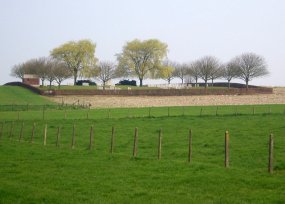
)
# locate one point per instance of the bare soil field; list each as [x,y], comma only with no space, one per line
[278,97]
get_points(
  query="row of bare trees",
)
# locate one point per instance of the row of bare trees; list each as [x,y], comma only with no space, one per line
[53,70]
[47,69]
[246,67]
[142,59]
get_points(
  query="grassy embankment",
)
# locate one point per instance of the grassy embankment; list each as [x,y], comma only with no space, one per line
[33,173]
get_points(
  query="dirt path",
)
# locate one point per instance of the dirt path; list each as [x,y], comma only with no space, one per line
[278,97]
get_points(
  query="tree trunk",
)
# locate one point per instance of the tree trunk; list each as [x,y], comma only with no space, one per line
[206,83]
[141,82]
[75,76]
[42,82]
[59,85]
[50,84]
[168,81]
[229,83]
[246,83]
[212,82]
[104,84]
[196,81]
[182,80]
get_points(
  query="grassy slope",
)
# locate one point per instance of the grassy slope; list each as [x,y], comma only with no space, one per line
[33,174]
[18,95]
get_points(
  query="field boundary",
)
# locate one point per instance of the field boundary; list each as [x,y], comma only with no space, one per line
[150,92]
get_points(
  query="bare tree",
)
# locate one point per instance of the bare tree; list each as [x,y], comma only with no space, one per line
[194,71]
[60,72]
[32,66]
[216,73]
[207,65]
[49,71]
[250,65]
[181,71]
[229,72]
[105,71]
[19,70]
[38,66]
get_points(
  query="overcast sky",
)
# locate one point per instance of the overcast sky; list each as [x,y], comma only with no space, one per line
[191,28]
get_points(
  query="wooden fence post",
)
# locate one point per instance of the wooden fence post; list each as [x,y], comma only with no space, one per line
[253,110]
[43,112]
[91,140]
[57,136]
[45,135]
[201,111]
[217,111]
[271,149]
[11,130]
[227,153]
[190,146]
[73,137]
[21,132]
[135,147]
[33,133]
[112,140]
[159,144]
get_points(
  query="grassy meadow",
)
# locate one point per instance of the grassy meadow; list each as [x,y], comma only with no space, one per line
[34,173]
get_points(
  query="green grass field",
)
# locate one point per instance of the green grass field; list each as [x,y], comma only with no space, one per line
[34,173]
[19,96]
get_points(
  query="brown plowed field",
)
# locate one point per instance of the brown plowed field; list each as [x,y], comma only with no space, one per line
[99,101]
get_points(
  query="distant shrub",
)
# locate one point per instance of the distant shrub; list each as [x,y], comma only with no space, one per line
[127,82]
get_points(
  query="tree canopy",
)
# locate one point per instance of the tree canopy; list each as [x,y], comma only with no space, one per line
[141,58]
[249,66]
[208,65]
[79,56]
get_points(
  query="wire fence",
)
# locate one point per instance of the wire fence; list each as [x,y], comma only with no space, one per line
[52,112]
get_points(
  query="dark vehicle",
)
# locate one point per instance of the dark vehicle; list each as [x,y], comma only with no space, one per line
[81,82]
[127,82]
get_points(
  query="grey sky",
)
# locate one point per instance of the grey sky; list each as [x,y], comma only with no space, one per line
[191,28]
